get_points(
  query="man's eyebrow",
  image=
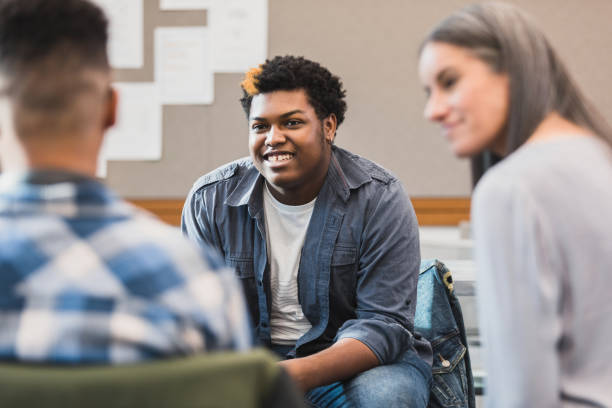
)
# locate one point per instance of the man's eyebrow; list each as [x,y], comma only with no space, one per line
[284,115]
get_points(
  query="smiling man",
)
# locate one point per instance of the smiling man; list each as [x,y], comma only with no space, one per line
[325,243]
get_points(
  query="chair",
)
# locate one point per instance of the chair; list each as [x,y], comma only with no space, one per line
[246,380]
[438,318]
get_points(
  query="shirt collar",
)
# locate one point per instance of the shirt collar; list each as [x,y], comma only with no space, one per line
[345,174]
[53,176]
[246,187]
[39,186]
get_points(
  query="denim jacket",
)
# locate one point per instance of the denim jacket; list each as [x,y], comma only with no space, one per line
[439,319]
[360,261]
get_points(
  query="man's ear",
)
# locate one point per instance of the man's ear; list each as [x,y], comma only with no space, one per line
[329,128]
[110,109]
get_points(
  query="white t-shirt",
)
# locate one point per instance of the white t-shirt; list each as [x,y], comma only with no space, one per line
[286,227]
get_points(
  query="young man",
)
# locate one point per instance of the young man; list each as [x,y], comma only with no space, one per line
[84,276]
[324,241]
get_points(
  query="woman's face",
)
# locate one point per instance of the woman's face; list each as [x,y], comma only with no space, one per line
[466,97]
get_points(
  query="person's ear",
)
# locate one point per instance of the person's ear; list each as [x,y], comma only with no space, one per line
[110,110]
[329,128]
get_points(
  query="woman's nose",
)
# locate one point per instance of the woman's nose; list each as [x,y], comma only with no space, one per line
[436,108]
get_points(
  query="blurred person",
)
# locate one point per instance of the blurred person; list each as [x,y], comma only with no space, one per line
[84,276]
[324,241]
[542,216]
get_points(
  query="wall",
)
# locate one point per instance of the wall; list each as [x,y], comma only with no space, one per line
[372,46]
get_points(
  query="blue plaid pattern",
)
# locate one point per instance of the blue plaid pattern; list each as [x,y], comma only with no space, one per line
[87,278]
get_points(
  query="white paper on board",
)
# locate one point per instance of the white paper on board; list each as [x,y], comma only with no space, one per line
[184,4]
[183,66]
[239,31]
[137,135]
[125,46]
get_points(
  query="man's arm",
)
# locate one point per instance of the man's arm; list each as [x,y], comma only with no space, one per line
[196,227]
[344,359]
[195,222]
[387,275]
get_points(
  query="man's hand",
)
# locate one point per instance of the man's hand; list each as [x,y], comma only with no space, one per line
[295,369]
[343,360]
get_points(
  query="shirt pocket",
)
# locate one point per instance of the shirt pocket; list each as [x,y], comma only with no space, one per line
[449,387]
[344,255]
[344,273]
[243,266]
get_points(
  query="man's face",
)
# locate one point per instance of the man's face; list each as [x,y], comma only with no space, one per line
[289,145]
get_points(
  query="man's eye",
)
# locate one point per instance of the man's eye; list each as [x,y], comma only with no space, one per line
[258,127]
[293,123]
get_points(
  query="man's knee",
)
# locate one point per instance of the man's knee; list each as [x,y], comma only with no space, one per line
[403,384]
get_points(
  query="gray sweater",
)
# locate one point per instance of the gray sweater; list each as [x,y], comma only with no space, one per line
[543,238]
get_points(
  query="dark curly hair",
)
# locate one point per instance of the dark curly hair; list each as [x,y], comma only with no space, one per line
[324,90]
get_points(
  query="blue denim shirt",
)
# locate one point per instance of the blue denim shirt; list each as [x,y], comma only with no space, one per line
[360,261]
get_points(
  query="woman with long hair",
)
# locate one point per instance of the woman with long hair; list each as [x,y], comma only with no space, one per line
[542,216]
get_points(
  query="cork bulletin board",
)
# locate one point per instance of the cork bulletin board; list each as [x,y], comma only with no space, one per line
[372,46]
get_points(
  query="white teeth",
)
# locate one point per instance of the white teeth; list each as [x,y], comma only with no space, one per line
[279,157]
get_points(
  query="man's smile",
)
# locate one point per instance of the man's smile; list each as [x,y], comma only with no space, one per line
[278,157]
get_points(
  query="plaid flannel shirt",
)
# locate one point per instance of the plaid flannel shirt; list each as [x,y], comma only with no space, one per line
[87,278]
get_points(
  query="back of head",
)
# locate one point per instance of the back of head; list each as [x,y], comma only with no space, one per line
[510,42]
[288,73]
[54,68]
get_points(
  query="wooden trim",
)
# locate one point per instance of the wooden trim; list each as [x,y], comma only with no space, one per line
[168,210]
[441,211]
[429,210]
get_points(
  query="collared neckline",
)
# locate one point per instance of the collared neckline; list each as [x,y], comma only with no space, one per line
[56,186]
[45,177]
[346,177]
[246,186]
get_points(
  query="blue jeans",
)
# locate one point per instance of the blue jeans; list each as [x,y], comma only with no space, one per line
[405,383]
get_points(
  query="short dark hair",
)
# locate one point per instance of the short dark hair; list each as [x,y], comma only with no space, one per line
[287,73]
[32,30]
[46,48]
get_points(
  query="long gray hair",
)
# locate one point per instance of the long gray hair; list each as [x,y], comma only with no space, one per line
[510,42]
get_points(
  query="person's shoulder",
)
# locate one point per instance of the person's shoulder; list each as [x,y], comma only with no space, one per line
[533,168]
[498,182]
[154,239]
[352,163]
[519,180]
[231,172]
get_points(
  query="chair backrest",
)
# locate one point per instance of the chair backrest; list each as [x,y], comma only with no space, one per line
[438,318]
[247,380]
